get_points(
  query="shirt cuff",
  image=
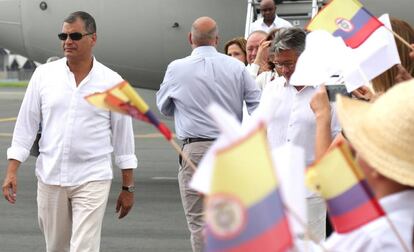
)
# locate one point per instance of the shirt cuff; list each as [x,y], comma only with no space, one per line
[18,153]
[126,161]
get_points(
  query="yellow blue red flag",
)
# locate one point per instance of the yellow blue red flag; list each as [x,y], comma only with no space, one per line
[244,210]
[340,181]
[122,98]
[347,19]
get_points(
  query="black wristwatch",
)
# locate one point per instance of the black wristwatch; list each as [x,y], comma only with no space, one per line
[130,188]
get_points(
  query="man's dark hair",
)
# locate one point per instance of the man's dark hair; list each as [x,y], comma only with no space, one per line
[88,20]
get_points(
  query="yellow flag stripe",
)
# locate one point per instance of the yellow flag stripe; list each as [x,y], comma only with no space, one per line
[135,98]
[245,170]
[334,174]
[326,19]
[119,94]
[98,100]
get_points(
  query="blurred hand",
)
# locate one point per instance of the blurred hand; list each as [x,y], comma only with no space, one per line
[262,55]
[412,52]
[10,181]
[320,104]
[124,203]
[363,93]
[402,74]
[10,187]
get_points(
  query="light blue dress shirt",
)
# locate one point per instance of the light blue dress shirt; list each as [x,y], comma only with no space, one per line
[191,84]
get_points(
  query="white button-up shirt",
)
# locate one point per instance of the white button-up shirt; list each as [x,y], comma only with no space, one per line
[294,121]
[259,25]
[377,236]
[77,138]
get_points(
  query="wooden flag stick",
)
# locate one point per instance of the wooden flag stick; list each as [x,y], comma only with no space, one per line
[183,155]
[400,39]
[405,247]
[303,224]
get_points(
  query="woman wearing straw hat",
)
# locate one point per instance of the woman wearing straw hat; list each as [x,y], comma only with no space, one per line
[382,134]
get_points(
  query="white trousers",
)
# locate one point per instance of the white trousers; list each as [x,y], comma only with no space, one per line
[71,217]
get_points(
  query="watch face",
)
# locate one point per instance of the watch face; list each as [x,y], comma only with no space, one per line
[129,188]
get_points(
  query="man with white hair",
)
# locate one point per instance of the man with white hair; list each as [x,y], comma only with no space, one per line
[294,121]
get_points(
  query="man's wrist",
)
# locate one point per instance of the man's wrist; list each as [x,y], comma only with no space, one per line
[129,188]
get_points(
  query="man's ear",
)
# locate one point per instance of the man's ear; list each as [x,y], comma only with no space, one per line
[190,40]
[94,37]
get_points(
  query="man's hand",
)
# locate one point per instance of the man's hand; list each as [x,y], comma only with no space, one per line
[10,182]
[363,93]
[262,56]
[125,199]
[402,74]
[124,203]
[320,104]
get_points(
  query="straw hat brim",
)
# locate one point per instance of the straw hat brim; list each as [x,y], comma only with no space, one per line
[379,144]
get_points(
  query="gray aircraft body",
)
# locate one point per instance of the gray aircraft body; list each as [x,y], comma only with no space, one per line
[139,38]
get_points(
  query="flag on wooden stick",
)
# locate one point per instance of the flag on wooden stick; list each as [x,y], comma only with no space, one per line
[122,98]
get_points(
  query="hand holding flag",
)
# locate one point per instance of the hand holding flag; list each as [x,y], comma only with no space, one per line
[342,184]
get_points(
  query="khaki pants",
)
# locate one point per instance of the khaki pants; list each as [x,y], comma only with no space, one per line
[71,217]
[192,201]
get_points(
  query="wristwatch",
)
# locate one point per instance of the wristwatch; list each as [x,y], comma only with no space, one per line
[130,188]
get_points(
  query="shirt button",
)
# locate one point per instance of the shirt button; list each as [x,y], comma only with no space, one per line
[288,140]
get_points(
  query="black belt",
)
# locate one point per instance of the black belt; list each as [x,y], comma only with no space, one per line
[197,139]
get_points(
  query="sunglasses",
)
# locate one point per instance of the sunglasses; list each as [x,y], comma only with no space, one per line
[73,36]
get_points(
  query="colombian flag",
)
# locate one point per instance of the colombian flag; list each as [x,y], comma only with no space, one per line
[122,98]
[347,19]
[339,180]
[244,210]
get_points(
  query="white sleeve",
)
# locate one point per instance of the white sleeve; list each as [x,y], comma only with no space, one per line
[123,141]
[28,120]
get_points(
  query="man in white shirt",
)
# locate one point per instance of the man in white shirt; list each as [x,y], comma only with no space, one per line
[74,167]
[190,85]
[257,53]
[294,121]
[269,18]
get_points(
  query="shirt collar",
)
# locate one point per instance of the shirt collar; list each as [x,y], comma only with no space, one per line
[88,76]
[287,84]
[400,200]
[94,64]
[274,21]
[201,50]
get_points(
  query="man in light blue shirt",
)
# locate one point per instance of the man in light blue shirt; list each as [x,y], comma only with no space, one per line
[190,85]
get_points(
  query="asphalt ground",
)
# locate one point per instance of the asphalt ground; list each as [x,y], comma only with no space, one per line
[157,221]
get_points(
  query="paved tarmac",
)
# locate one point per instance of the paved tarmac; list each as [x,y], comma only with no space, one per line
[157,221]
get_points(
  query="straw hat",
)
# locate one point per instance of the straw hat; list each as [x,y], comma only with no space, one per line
[383,131]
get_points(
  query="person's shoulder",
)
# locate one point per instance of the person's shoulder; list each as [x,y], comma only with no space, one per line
[230,63]
[258,21]
[256,25]
[182,62]
[281,22]
[105,71]
[52,66]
